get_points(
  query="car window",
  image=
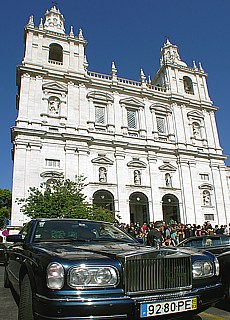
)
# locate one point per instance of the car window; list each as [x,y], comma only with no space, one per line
[212,241]
[196,243]
[225,240]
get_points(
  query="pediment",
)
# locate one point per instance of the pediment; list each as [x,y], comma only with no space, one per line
[102,160]
[100,96]
[51,174]
[206,186]
[167,167]
[137,164]
[195,114]
[160,108]
[54,86]
[132,102]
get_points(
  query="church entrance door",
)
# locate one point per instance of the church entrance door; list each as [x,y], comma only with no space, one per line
[170,208]
[139,208]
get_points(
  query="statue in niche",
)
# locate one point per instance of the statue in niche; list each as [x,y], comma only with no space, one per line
[196,130]
[137,177]
[54,105]
[102,174]
[206,198]
[168,180]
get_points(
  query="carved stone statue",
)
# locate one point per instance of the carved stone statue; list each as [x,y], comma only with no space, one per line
[54,104]
[196,130]
[206,198]
[102,174]
[137,177]
[168,180]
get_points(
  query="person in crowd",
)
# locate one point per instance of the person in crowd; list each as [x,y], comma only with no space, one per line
[155,237]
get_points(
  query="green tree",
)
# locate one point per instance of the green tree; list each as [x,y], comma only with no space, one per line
[61,199]
[5,206]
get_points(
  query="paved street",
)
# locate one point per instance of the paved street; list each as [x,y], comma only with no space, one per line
[8,309]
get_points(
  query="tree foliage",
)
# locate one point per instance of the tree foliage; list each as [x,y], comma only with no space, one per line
[61,199]
[5,206]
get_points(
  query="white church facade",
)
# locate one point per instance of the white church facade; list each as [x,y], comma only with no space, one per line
[149,149]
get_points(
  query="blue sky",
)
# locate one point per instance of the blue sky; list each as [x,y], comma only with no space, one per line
[131,33]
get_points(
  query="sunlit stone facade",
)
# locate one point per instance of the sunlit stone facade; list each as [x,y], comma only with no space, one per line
[149,149]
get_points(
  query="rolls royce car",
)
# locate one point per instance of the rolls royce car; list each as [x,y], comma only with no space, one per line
[81,269]
[219,245]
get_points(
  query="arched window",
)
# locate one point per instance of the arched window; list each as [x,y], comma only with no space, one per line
[55,53]
[188,86]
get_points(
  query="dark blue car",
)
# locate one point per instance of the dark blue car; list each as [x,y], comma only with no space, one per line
[81,269]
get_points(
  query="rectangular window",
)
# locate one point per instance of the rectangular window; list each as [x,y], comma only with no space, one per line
[99,115]
[132,119]
[161,125]
[53,163]
[209,217]
[204,176]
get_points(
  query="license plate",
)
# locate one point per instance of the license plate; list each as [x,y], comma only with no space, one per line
[167,307]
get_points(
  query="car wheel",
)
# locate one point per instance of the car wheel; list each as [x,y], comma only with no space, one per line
[6,279]
[25,309]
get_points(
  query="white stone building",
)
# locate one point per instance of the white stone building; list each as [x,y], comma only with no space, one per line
[149,149]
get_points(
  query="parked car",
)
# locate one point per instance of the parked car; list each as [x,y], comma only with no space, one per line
[82,269]
[218,245]
[2,253]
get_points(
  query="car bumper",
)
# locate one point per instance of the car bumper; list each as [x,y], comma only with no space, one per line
[117,308]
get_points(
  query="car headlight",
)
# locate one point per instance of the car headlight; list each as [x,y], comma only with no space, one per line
[202,269]
[92,276]
[217,265]
[55,276]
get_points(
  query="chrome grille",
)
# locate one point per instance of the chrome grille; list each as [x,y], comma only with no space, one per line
[144,274]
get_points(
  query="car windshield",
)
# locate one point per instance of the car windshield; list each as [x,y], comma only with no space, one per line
[78,230]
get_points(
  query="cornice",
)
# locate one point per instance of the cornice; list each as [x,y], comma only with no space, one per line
[55,35]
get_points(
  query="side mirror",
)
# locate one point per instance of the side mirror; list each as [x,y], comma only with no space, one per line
[14,238]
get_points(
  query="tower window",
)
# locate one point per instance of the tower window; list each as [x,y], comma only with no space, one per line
[188,86]
[55,53]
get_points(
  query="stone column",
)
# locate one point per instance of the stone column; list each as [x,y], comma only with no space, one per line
[154,121]
[142,129]
[91,121]
[110,113]
[186,191]
[221,200]
[124,126]
[171,132]
[71,162]
[155,212]
[123,197]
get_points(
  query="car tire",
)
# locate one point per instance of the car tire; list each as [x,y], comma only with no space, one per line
[25,309]
[6,279]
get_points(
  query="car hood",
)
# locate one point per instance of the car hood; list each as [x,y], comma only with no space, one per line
[73,250]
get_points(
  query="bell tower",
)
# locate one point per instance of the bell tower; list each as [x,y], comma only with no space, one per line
[178,78]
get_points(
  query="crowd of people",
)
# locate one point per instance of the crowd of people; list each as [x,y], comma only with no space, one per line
[159,233]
